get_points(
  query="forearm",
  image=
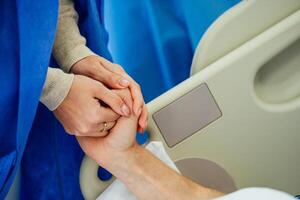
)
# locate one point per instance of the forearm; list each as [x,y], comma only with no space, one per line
[69,46]
[148,178]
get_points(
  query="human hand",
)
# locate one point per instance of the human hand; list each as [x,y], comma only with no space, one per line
[81,113]
[120,139]
[115,77]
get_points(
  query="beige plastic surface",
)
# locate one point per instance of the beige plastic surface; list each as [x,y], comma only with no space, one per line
[242,23]
[90,184]
[256,140]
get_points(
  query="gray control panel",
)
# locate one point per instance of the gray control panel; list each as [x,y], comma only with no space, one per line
[187,115]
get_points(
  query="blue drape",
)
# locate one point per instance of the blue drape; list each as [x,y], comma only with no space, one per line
[24,57]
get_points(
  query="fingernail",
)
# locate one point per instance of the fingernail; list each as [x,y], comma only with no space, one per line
[124,82]
[125,110]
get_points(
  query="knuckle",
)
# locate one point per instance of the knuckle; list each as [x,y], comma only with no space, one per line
[137,86]
[124,94]
[97,72]
[94,74]
[119,68]
[118,102]
[116,98]
[127,94]
[112,79]
[83,129]
[97,64]
[93,117]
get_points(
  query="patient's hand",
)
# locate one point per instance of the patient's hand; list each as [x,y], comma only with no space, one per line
[119,139]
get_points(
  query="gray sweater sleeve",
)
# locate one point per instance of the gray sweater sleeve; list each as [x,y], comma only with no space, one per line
[69,47]
[56,87]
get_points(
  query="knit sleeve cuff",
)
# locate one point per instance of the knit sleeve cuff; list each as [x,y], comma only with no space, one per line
[56,88]
[77,53]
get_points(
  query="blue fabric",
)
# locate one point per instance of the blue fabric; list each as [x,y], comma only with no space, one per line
[6,163]
[51,162]
[24,57]
[155,40]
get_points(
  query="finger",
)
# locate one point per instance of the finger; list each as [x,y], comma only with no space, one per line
[100,130]
[110,78]
[125,96]
[112,99]
[103,128]
[143,118]
[136,93]
[107,115]
[138,99]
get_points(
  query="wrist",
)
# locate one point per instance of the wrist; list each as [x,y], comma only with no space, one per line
[118,161]
[78,67]
[67,59]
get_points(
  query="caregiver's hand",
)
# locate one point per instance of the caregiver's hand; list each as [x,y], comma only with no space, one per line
[114,77]
[81,113]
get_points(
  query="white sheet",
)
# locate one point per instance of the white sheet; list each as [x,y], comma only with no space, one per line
[257,194]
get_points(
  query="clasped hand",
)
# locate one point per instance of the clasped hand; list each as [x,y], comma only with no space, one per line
[101,94]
